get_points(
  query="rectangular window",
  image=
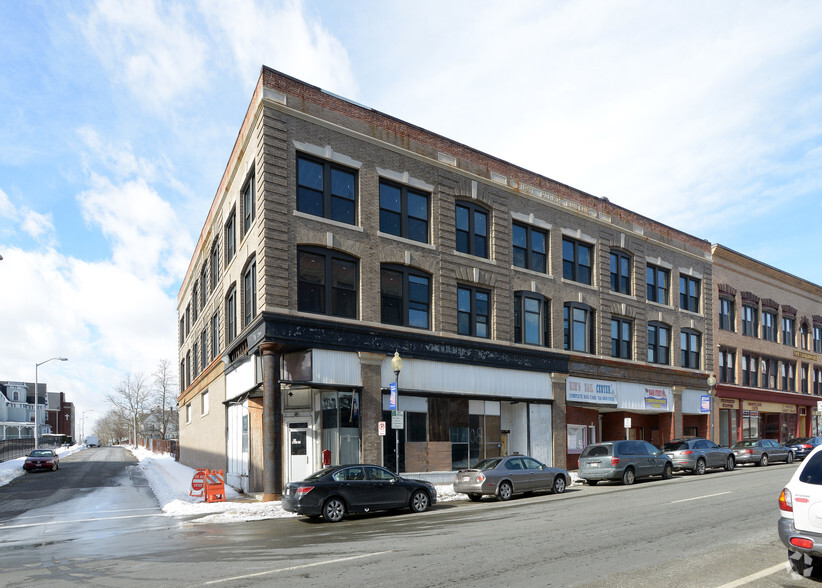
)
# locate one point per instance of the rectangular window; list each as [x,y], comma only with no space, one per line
[196,365]
[249,204]
[768,325]
[529,248]
[727,366]
[805,382]
[250,293]
[473,311]
[215,265]
[577,327]
[204,285]
[326,189]
[749,320]
[472,230]
[215,335]
[182,331]
[182,379]
[576,261]
[817,382]
[689,293]
[690,348]
[326,282]
[188,318]
[788,331]
[195,299]
[403,212]
[788,377]
[204,403]
[531,319]
[817,338]
[658,284]
[750,371]
[405,297]
[659,344]
[726,314]
[620,272]
[188,412]
[621,330]
[230,237]
[204,348]
[231,316]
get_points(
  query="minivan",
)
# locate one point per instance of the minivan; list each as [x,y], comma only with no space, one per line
[623,460]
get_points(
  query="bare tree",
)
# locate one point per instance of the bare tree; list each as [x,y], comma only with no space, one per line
[113,427]
[131,397]
[165,398]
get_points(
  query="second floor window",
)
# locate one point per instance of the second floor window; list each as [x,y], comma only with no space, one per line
[531,319]
[788,331]
[576,261]
[473,311]
[817,338]
[659,344]
[231,316]
[403,212]
[690,343]
[472,230]
[204,348]
[250,293]
[578,325]
[727,366]
[326,282]
[529,248]
[620,272]
[657,282]
[768,325]
[215,335]
[230,237]
[817,382]
[788,377]
[249,204]
[326,189]
[689,293]
[726,314]
[405,297]
[750,370]
[621,339]
[749,320]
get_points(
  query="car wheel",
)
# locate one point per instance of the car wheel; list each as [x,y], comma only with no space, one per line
[628,477]
[805,565]
[505,491]
[790,457]
[730,464]
[700,467]
[420,501]
[667,472]
[593,482]
[55,467]
[474,497]
[764,460]
[333,510]
[559,485]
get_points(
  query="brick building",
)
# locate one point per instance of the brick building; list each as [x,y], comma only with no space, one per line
[768,330]
[530,317]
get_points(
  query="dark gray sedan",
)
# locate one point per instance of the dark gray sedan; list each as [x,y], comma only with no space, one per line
[506,476]
[761,452]
[696,455]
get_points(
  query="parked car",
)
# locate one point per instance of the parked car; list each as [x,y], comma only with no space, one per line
[799,527]
[336,491]
[42,459]
[506,476]
[696,455]
[761,452]
[623,460]
[802,446]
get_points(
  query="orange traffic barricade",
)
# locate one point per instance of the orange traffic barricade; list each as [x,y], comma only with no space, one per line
[198,483]
[214,486]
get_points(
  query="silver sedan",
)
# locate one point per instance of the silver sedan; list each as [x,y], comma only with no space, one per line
[761,452]
[506,476]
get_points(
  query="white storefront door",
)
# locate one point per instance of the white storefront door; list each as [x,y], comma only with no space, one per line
[298,445]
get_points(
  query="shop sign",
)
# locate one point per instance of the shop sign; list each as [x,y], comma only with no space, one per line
[705,404]
[769,407]
[656,399]
[590,391]
[728,403]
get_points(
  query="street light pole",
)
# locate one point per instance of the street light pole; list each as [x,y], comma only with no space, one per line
[711,394]
[83,425]
[36,383]
[396,365]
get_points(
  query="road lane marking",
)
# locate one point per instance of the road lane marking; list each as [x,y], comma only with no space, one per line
[760,574]
[299,567]
[4,527]
[700,497]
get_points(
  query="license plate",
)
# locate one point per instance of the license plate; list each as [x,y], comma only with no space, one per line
[466,478]
[594,464]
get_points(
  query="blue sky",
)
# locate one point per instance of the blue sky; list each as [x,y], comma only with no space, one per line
[117,119]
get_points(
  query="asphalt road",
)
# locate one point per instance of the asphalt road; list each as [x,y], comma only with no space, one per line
[99,525]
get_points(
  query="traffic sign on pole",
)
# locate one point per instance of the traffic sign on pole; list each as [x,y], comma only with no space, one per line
[392,400]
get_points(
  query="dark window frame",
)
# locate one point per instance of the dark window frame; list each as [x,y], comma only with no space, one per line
[250,293]
[653,291]
[571,266]
[689,357]
[231,314]
[473,315]
[750,320]
[468,240]
[522,332]
[655,348]
[789,331]
[404,302]
[406,219]
[687,300]
[230,236]
[622,348]
[727,314]
[327,198]
[332,305]
[727,366]
[621,274]
[528,257]
[769,325]
[248,197]
[569,323]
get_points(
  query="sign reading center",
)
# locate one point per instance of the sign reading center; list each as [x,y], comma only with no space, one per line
[397,419]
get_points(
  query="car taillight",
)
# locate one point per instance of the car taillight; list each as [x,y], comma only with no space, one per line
[303,490]
[579,464]
[480,478]
[614,461]
[802,542]
[786,501]
[748,451]
[806,446]
[689,452]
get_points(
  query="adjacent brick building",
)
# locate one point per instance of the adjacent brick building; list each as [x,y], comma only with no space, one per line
[530,317]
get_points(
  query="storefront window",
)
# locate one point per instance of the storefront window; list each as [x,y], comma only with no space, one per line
[750,424]
[341,426]
[727,427]
[577,438]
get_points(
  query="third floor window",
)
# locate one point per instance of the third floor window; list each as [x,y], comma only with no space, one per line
[726,314]
[326,189]
[249,203]
[749,320]
[768,325]
[529,247]
[658,284]
[817,338]
[403,212]
[620,272]
[789,331]
[576,261]
[689,293]
[472,229]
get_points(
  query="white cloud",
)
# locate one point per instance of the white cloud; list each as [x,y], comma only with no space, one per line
[38,226]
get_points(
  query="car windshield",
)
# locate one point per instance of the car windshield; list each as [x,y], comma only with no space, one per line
[745,444]
[675,446]
[596,451]
[41,453]
[487,464]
